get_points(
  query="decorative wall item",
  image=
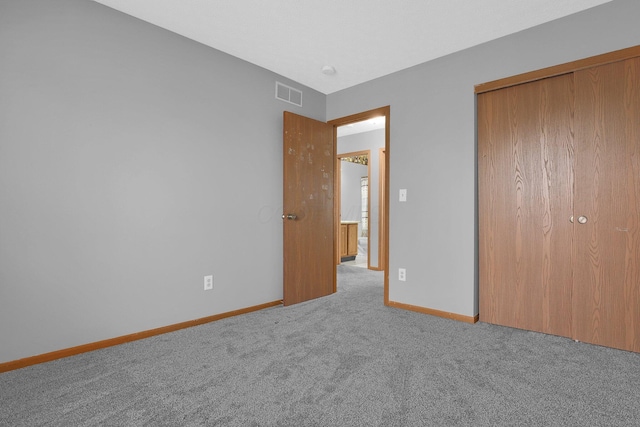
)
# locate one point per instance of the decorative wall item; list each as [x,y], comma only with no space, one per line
[361,160]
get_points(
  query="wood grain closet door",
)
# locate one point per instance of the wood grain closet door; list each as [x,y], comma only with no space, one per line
[607,194]
[525,201]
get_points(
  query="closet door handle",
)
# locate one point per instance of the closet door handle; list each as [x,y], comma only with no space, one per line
[582,219]
[571,219]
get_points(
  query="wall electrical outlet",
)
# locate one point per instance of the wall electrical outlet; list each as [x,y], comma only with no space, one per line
[402,274]
[208,283]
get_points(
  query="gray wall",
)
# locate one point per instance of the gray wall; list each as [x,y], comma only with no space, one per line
[351,192]
[373,141]
[432,152]
[132,163]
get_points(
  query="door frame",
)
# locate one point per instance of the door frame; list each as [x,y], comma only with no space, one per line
[384,212]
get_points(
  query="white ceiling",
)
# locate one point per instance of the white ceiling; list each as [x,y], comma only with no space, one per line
[363,126]
[361,39]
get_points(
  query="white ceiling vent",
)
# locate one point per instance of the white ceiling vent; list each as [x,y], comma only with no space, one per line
[288,94]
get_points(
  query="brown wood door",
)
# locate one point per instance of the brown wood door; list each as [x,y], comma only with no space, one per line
[525,201]
[309,161]
[607,193]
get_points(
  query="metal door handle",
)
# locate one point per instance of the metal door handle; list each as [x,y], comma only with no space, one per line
[289,216]
[571,219]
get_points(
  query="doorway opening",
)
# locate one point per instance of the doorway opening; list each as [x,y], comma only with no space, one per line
[356,135]
[355,204]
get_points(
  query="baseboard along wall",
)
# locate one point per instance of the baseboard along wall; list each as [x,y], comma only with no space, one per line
[72,351]
[433,312]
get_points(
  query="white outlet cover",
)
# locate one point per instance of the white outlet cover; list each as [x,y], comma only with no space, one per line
[208,283]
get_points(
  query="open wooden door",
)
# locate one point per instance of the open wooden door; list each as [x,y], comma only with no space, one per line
[308,209]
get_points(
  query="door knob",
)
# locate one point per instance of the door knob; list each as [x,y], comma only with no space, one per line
[582,219]
[571,219]
[289,216]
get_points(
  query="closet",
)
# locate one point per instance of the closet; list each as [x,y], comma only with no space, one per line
[559,200]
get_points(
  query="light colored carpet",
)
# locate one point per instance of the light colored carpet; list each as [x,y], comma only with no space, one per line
[342,360]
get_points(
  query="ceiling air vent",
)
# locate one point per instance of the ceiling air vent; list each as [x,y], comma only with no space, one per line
[288,94]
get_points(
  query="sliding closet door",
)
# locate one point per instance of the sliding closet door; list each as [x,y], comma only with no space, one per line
[525,201]
[607,196]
